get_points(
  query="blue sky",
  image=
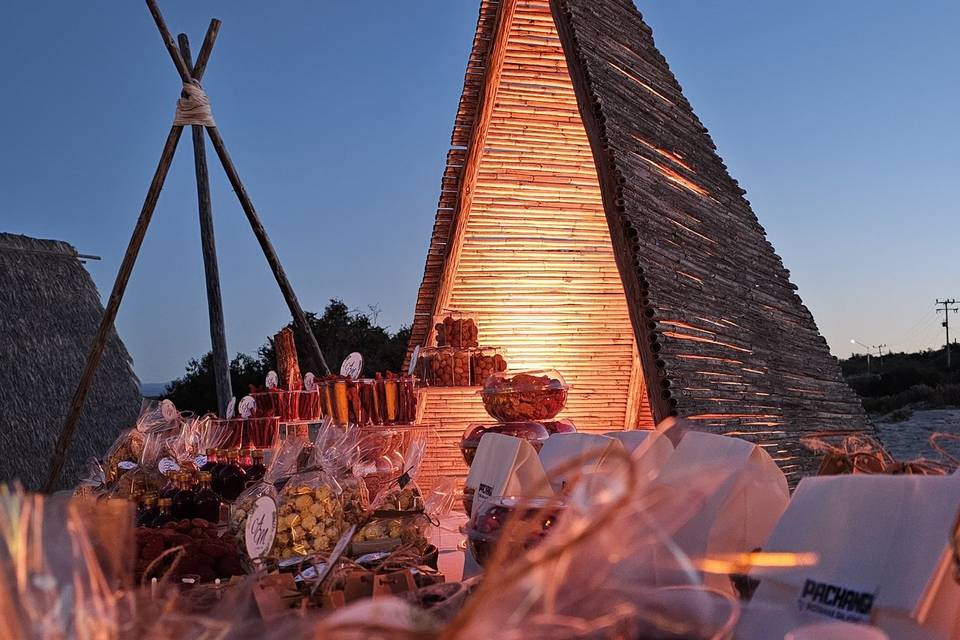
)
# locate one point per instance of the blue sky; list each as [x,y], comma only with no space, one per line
[839,118]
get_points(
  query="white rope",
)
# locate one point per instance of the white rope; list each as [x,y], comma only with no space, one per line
[194,108]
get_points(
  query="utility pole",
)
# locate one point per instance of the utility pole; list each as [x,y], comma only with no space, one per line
[880,348]
[946,322]
[869,348]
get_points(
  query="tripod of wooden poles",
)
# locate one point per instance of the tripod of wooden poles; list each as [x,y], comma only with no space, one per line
[189,74]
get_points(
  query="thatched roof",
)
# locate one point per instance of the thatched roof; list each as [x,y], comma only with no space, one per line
[722,335]
[49,313]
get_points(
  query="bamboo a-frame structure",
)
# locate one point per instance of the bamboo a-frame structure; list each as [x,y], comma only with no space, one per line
[588,223]
[189,75]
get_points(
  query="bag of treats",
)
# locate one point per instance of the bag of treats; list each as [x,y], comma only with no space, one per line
[161,424]
[398,518]
[320,502]
[585,567]
[388,457]
[127,451]
[244,506]
[286,460]
[311,515]
[197,435]
[130,465]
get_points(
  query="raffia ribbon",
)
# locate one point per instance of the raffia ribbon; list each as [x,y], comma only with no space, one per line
[194,107]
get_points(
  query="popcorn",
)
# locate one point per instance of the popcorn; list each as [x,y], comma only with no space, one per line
[314,517]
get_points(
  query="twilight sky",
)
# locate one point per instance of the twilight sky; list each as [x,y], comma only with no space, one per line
[838,118]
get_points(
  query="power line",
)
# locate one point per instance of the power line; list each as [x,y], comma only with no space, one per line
[908,337]
[924,338]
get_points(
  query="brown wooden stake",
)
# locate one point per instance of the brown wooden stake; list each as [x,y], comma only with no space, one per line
[168,42]
[288,366]
[113,305]
[299,318]
[139,231]
[204,56]
[218,337]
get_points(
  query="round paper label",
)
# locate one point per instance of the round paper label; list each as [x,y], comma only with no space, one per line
[413,360]
[261,527]
[168,465]
[168,410]
[246,407]
[272,380]
[309,382]
[200,460]
[352,366]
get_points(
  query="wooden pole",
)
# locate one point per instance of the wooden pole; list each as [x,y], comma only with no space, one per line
[299,318]
[140,230]
[168,42]
[113,305]
[218,337]
[204,56]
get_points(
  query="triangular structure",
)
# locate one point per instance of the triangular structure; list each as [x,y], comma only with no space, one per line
[49,311]
[588,222]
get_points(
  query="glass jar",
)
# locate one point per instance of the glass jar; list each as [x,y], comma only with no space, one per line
[528,395]
[485,362]
[533,432]
[559,426]
[486,526]
[450,367]
[457,329]
[267,403]
[343,396]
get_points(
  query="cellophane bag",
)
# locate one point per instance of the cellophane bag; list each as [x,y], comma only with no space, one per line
[161,425]
[287,459]
[127,451]
[324,498]
[244,505]
[130,465]
[389,456]
[197,434]
[592,573]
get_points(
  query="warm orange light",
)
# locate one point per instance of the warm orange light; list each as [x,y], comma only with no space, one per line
[727,563]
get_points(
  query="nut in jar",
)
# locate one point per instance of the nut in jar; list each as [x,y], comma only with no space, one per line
[456,329]
[450,367]
[485,363]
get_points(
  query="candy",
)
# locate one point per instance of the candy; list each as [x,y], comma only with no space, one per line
[524,396]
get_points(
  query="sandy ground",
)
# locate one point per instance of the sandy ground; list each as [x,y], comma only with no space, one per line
[908,439]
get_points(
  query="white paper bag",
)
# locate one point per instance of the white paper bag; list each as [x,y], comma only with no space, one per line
[737,512]
[561,448]
[505,466]
[883,543]
[649,450]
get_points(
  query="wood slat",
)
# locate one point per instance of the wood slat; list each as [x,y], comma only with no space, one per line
[587,220]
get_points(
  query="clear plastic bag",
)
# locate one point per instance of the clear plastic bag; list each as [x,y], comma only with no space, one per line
[324,498]
[161,425]
[311,515]
[605,568]
[389,457]
[244,505]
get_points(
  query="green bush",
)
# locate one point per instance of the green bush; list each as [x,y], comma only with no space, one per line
[886,404]
[899,415]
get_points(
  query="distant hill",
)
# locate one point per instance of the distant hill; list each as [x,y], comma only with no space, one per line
[153,389]
[898,380]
